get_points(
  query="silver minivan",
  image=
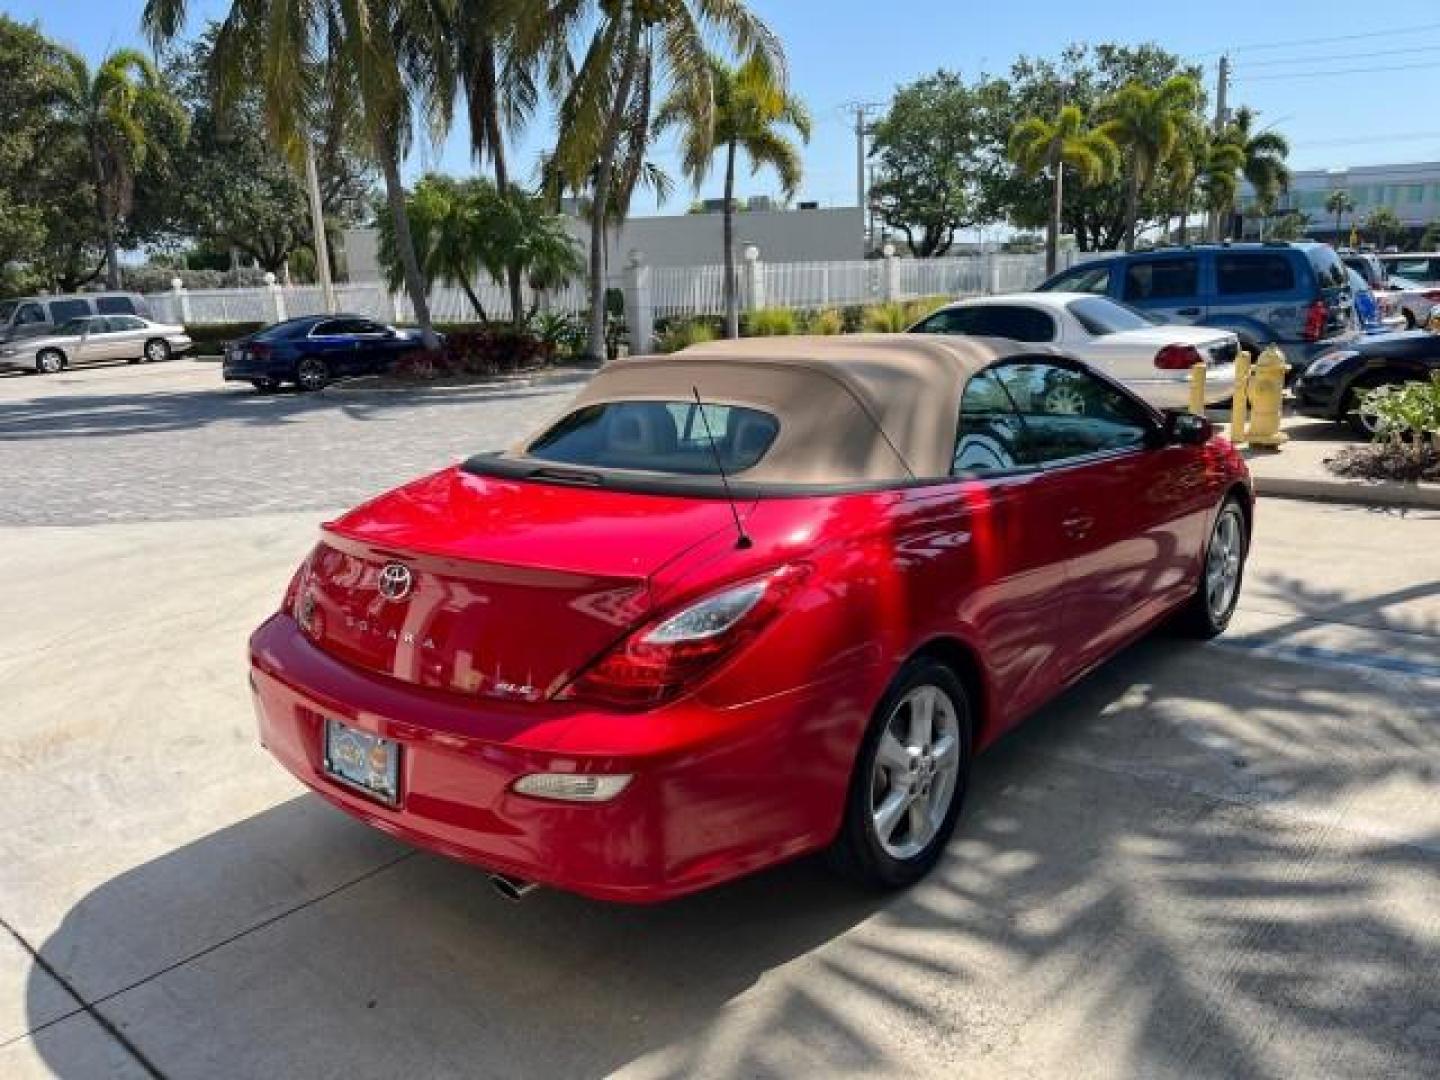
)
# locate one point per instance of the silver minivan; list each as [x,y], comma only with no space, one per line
[28,316]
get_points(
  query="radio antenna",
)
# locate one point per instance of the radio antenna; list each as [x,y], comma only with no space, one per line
[742,539]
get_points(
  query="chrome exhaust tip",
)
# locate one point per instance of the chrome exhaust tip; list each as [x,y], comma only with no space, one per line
[512,889]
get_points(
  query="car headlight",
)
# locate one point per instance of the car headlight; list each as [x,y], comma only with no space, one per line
[1327,363]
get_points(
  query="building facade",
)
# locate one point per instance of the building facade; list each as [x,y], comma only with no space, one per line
[1412,191]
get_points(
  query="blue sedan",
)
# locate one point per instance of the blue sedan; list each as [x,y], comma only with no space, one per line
[312,351]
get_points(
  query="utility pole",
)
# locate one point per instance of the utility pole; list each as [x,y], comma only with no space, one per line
[1222,116]
[861,109]
[317,227]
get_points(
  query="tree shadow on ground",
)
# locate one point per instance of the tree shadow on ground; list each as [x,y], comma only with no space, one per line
[1188,866]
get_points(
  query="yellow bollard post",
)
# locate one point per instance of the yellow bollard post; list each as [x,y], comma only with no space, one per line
[1197,388]
[1434,321]
[1240,403]
[1266,398]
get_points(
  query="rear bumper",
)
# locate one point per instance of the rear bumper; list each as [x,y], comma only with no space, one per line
[247,369]
[697,813]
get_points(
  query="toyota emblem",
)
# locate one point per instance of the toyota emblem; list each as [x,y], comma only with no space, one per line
[395,581]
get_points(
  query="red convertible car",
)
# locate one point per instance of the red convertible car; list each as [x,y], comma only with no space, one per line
[749,601]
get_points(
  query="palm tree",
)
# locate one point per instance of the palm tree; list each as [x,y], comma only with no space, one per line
[392,57]
[747,111]
[1145,123]
[1339,203]
[1037,144]
[116,110]
[1220,179]
[1382,221]
[605,109]
[498,79]
[1264,153]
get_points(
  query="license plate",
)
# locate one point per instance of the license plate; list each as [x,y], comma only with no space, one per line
[363,761]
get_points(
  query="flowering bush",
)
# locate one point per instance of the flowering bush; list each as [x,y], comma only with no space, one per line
[487,351]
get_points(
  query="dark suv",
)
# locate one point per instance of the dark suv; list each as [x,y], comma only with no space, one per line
[1296,296]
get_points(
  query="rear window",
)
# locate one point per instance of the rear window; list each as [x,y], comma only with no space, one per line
[1244,273]
[115,305]
[284,331]
[1091,279]
[660,436]
[1100,316]
[1329,270]
[64,310]
[1162,279]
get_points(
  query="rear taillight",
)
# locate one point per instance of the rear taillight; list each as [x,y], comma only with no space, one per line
[670,655]
[297,581]
[1177,357]
[260,351]
[1315,318]
[1431,294]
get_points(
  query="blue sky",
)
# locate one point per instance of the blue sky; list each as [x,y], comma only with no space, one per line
[1373,105]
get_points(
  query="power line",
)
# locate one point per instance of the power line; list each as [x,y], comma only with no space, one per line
[1329,74]
[1257,46]
[1338,56]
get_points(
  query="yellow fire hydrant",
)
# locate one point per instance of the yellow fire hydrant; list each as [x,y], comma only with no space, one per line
[1267,387]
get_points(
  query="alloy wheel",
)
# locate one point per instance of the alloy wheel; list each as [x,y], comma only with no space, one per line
[1064,401]
[311,374]
[157,351]
[916,767]
[1223,562]
[49,362]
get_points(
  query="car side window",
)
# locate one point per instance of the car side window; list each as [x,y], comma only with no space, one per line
[114,305]
[949,321]
[1241,274]
[29,314]
[62,311]
[125,322]
[1083,279]
[990,436]
[1069,413]
[1162,279]
[326,329]
[1016,322]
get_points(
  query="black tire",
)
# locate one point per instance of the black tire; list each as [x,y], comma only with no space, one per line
[1409,318]
[265,386]
[857,852]
[49,361]
[312,374]
[1200,617]
[157,351]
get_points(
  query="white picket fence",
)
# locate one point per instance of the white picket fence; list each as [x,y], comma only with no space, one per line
[664,292]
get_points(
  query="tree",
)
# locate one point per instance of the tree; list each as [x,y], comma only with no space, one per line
[748,112]
[1430,239]
[116,111]
[1382,222]
[1264,153]
[393,58]
[1339,203]
[1146,122]
[1083,76]
[1038,145]
[605,110]
[1220,178]
[924,146]
[463,227]
[1290,225]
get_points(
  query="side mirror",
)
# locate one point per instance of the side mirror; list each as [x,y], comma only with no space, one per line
[1187,429]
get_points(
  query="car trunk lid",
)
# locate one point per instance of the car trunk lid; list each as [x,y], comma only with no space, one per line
[492,587]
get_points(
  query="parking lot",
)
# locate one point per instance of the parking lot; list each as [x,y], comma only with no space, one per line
[1216,860]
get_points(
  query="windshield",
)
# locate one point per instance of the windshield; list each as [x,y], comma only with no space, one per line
[675,437]
[1404,283]
[1100,316]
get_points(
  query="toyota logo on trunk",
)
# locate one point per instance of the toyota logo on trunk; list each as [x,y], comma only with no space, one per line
[395,581]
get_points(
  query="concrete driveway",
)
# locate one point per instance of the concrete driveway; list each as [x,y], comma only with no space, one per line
[1218,860]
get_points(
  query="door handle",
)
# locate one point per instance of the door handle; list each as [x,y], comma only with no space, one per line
[1077,526]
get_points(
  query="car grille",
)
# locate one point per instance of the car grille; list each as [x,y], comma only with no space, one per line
[1223,354]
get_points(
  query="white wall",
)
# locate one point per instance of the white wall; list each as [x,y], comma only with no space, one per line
[828,235]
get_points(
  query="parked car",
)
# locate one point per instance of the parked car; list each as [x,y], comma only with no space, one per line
[1421,266]
[1153,359]
[1417,301]
[1294,295]
[1335,385]
[31,316]
[94,338]
[742,602]
[1376,312]
[314,350]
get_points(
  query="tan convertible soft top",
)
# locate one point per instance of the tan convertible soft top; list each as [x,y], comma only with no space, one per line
[854,408]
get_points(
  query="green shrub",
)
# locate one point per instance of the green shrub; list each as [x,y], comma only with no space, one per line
[210,338]
[770,322]
[853,318]
[1410,411]
[826,321]
[889,318]
[683,333]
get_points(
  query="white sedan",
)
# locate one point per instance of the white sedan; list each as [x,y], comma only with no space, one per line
[1153,359]
[1416,300]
